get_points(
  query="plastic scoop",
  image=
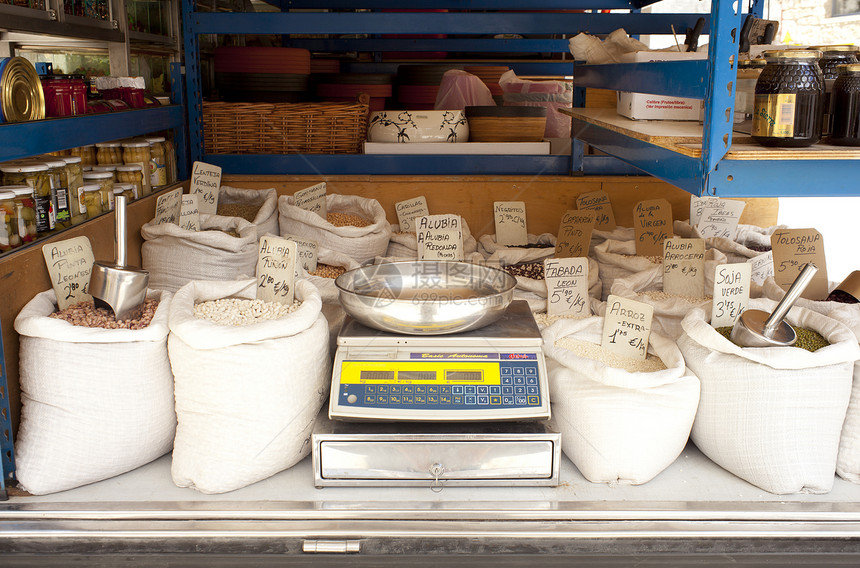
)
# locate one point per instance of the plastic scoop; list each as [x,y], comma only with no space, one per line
[115,285]
[756,328]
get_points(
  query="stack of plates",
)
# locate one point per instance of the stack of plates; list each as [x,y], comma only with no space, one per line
[419,84]
[345,87]
[262,74]
[506,124]
[490,75]
[325,66]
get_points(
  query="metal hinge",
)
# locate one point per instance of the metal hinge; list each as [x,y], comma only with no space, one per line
[331,546]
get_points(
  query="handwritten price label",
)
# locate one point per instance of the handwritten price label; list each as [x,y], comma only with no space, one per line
[312,199]
[306,250]
[70,264]
[697,206]
[189,216]
[567,286]
[598,201]
[652,223]
[627,327]
[574,233]
[206,183]
[168,207]
[408,210]
[510,217]
[276,270]
[731,293]
[720,218]
[440,237]
[684,267]
[792,249]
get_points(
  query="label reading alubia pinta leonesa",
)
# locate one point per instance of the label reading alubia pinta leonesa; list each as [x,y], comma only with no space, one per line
[189,216]
[276,270]
[312,199]
[168,207]
[567,286]
[627,327]
[598,201]
[306,251]
[574,233]
[731,293]
[684,267]
[440,237]
[408,211]
[70,263]
[206,183]
[510,217]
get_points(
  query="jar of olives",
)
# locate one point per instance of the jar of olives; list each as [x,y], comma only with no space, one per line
[109,153]
[91,197]
[137,152]
[87,154]
[131,174]
[9,238]
[170,158]
[124,189]
[34,175]
[25,207]
[158,163]
[59,191]
[107,168]
[105,182]
[75,176]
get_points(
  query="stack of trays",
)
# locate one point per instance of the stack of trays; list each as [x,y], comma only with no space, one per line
[419,84]
[345,87]
[490,75]
[325,66]
[262,74]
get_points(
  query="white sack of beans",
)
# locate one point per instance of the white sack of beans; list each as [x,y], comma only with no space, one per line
[669,310]
[361,243]
[618,426]
[266,219]
[534,291]
[506,255]
[737,249]
[405,245]
[175,256]
[472,257]
[617,234]
[246,397]
[848,462]
[96,402]
[772,415]
[618,259]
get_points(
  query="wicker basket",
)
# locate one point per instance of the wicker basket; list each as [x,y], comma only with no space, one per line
[284,128]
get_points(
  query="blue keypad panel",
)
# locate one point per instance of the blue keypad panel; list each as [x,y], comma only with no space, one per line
[519,388]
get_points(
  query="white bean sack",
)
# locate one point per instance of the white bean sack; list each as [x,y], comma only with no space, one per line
[668,312]
[617,234]
[472,257]
[617,259]
[772,415]
[96,402]
[848,462]
[246,397]
[505,255]
[617,426]
[737,249]
[405,245]
[361,243]
[266,219]
[174,256]
[534,291]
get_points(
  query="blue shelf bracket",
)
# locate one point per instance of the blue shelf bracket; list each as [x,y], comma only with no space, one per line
[177,95]
[193,92]
[7,459]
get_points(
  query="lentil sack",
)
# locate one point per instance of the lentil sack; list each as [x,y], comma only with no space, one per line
[246,396]
[772,415]
[96,402]
[540,247]
[617,425]
[848,461]
[531,284]
[175,256]
[618,259]
[749,241]
[405,245]
[257,206]
[362,243]
[669,310]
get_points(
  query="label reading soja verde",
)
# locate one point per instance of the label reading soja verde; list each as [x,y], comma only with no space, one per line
[773,115]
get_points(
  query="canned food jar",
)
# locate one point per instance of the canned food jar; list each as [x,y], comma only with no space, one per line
[846,106]
[124,189]
[35,176]
[170,158]
[79,94]
[9,238]
[25,205]
[107,168]
[59,191]
[789,97]
[87,154]
[92,200]
[58,95]
[131,174]
[105,182]
[137,152]
[109,153]
[75,175]
[158,163]
[832,56]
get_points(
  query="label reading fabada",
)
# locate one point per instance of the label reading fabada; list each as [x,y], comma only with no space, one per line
[684,267]
[720,218]
[598,201]
[567,286]
[70,264]
[168,207]
[792,249]
[276,270]
[652,223]
[574,233]
[189,216]
[408,210]
[206,182]
[627,327]
[312,199]
[510,219]
[306,251]
[761,267]
[697,205]
[731,293]
[440,237]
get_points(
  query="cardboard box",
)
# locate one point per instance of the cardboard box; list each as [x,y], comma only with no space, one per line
[642,106]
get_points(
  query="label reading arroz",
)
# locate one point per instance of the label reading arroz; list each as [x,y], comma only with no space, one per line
[70,264]
[168,207]
[567,286]
[206,181]
[574,233]
[627,327]
[408,210]
[312,199]
[792,250]
[510,217]
[598,201]
[762,267]
[684,267]
[276,270]
[720,218]
[652,223]
[189,216]
[731,293]
[307,250]
[440,237]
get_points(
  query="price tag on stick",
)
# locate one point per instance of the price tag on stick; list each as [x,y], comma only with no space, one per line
[408,210]
[598,201]
[697,206]
[627,327]
[652,223]
[189,216]
[574,233]
[440,237]
[307,250]
[762,267]
[684,267]
[792,249]
[731,293]
[720,218]
[567,286]
[70,264]
[276,270]
[510,219]
[312,199]
[206,181]
[168,207]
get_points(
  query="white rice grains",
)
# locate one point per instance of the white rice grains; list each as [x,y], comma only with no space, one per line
[596,352]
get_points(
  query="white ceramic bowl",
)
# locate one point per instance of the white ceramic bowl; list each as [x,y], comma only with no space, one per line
[418,126]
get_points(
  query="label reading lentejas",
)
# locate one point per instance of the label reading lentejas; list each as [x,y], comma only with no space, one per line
[773,116]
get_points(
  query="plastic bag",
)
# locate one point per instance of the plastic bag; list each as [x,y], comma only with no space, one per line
[551,95]
[460,89]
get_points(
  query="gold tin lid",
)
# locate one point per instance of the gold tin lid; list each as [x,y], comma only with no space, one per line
[792,54]
[21,96]
[844,48]
[851,284]
[848,69]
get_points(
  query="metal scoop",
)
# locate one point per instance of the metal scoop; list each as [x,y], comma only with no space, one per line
[115,286]
[756,328]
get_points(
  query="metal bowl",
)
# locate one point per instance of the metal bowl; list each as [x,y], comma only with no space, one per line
[426,297]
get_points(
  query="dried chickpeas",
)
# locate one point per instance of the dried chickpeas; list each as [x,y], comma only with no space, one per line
[327,271]
[347,220]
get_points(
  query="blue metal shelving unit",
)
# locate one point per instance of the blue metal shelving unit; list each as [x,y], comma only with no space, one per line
[7,456]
